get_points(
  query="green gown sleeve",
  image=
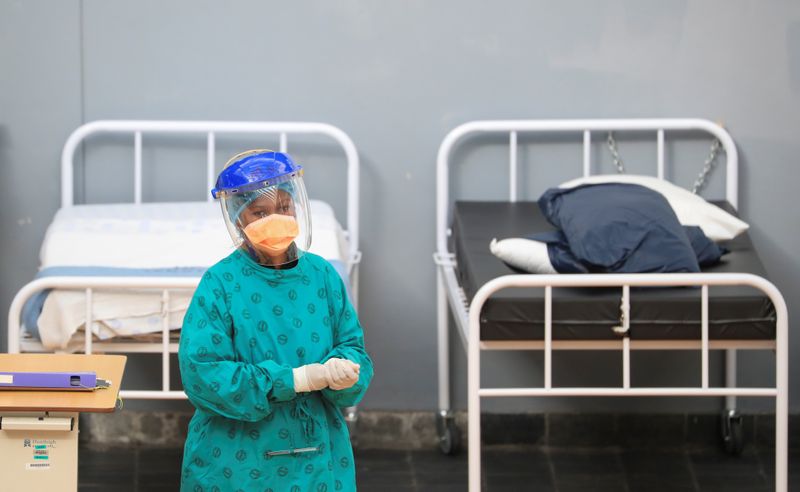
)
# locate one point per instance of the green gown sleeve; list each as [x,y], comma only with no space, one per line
[348,343]
[213,379]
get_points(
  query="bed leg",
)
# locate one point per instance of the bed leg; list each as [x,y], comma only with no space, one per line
[354,285]
[730,377]
[731,422]
[442,345]
[732,438]
[448,434]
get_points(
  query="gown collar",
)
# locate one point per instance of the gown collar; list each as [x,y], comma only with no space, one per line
[272,274]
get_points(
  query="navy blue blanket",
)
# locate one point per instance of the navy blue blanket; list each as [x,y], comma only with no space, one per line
[620,228]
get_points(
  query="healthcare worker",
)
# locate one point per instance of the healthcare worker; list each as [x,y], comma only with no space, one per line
[271,348]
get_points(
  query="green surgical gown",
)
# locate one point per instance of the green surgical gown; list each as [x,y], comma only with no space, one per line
[246,328]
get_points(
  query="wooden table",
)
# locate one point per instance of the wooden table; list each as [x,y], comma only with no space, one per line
[39,429]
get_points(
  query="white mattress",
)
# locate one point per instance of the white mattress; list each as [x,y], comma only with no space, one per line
[161,235]
[151,235]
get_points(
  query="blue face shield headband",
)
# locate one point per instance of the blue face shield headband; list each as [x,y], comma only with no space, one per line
[254,170]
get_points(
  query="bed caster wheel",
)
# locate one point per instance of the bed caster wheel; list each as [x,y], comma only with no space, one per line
[732,432]
[449,434]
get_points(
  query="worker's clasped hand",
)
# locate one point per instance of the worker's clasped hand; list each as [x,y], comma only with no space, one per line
[338,374]
[342,373]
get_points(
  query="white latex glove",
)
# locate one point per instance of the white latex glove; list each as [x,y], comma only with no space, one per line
[342,373]
[311,377]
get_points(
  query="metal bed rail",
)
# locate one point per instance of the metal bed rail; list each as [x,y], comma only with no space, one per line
[138,128]
[625,281]
[583,127]
[89,285]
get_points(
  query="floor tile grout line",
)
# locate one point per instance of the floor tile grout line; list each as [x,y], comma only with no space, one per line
[763,469]
[621,464]
[410,461]
[690,467]
[136,469]
[552,469]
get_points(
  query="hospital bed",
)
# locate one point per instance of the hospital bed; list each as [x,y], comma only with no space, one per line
[128,270]
[730,306]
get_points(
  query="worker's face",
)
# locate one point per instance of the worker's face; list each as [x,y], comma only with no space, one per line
[269,223]
[267,204]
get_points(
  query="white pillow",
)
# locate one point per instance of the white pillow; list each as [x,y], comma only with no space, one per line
[526,254]
[691,209]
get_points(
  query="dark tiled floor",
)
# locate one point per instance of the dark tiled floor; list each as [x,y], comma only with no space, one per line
[505,469]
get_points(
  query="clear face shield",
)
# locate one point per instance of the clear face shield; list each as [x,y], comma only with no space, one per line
[272,223]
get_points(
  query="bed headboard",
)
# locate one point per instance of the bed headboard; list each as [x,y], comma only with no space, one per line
[656,127]
[137,128]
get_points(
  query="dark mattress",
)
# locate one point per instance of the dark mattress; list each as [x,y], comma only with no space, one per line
[735,313]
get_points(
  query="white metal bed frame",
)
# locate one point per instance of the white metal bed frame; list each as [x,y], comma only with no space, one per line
[467,317]
[166,284]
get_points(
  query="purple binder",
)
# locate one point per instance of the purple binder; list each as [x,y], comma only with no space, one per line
[85,381]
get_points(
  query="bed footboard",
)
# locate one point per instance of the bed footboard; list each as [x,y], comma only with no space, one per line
[780,392]
[91,284]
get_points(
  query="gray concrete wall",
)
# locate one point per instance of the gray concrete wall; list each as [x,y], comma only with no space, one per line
[397,77]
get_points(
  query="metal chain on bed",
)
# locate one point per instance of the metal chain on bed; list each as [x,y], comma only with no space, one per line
[708,166]
[699,183]
[612,147]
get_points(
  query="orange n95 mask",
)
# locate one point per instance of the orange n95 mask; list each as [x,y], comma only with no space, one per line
[274,232]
